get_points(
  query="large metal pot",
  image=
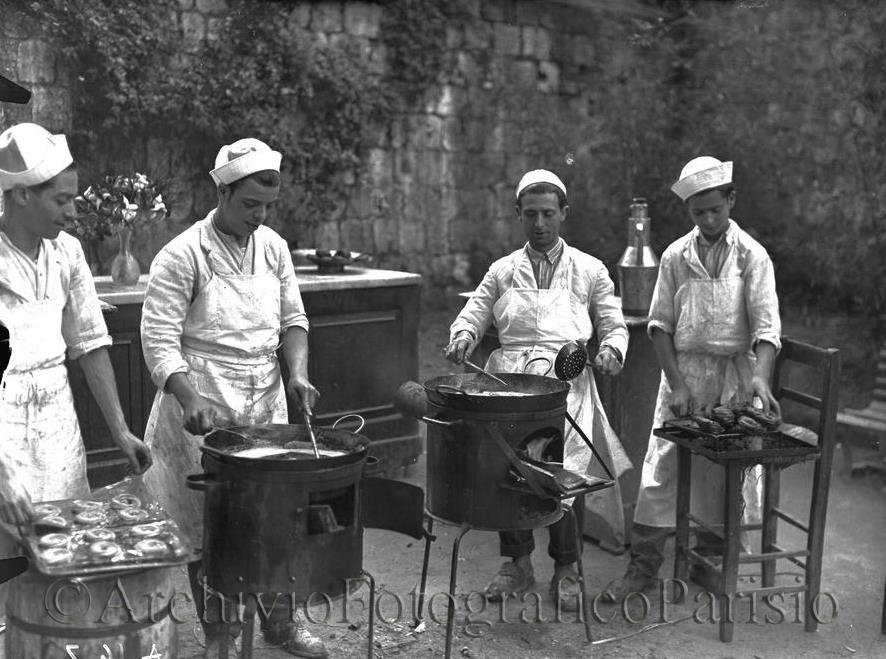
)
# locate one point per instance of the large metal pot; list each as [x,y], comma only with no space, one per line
[225,443]
[290,526]
[475,392]
[474,436]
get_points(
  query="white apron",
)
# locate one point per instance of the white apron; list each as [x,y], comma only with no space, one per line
[40,444]
[535,322]
[244,376]
[711,343]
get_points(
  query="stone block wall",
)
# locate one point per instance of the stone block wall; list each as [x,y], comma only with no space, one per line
[29,58]
[613,101]
[435,193]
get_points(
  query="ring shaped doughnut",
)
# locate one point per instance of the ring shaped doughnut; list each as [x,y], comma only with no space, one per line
[95,535]
[125,501]
[104,548]
[81,505]
[47,510]
[147,530]
[56,521]
[151,546]
[89,517]
[132,515]
[57,555]
[54,540]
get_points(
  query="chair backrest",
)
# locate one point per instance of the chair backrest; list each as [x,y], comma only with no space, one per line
[816,386]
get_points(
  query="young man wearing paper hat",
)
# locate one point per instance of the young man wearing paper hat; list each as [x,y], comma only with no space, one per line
[220,298]
[541,297]
[715,326]
[50,309]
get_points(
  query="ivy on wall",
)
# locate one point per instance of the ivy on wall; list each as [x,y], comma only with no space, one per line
[117,55]
[320,101]
[414,33]
[314,101]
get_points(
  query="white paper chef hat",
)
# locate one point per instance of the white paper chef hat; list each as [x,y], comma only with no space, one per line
[30,155]
[700,174]
[242,158]
[539,176]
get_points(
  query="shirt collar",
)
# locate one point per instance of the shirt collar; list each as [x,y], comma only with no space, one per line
[728,236]
[550,255]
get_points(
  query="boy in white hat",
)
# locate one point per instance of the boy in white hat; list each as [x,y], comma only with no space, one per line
[541,297]
[220,298]
[50,309]
[715,326]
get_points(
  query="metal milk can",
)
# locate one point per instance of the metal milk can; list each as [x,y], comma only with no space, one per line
[638,265]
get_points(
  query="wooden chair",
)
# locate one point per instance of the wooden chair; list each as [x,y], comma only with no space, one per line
[825,362]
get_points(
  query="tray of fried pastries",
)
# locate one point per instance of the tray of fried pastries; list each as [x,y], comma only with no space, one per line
[117,527]
[740,432]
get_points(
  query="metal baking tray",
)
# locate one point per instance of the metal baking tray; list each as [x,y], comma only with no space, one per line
[762,447]
[107,506]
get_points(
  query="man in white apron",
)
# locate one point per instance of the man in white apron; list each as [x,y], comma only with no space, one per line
[220,298]
[49,307]
[715,326]
[541,297]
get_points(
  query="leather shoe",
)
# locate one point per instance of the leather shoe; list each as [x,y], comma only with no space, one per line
[299,642]
[511,579]
[632,582]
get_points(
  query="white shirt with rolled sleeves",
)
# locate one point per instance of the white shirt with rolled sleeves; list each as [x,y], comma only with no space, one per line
[61,270]
[181,270]
[211,312]
[590,282]
[745,258]
[715,323]
[51,309]
[536,322]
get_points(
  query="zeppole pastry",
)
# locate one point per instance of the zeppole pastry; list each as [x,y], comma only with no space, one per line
[54,540]
[104,549]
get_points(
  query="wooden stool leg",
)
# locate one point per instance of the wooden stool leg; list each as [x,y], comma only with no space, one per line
[732,506]
[684,487]
[883,621]
[769,534]
[815,538]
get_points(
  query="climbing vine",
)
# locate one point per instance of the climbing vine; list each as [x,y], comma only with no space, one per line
[414,34]
[319,100]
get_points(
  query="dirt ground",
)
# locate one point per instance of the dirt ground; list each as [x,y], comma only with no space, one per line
[854,568]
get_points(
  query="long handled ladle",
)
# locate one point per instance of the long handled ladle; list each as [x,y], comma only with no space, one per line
[569,357]
[307,418]
[571,360]
[486,373]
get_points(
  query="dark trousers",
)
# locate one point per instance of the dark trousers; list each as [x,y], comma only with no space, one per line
[562,544]
[648,544]
[214,609]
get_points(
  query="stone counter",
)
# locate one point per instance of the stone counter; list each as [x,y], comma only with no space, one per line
[362,345]
[309,280]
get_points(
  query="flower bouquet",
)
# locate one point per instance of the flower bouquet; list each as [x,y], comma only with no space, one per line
[119,204]
[127,202]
